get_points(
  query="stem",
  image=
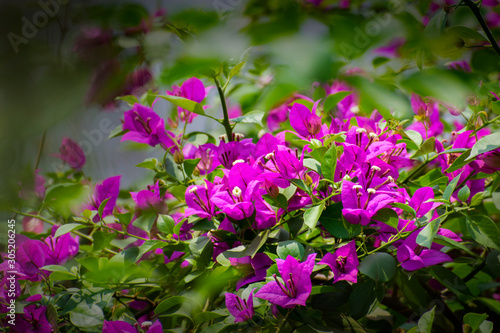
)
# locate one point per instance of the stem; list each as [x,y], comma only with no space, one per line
[225,122]
[40,148]
[480,19]
[283,322]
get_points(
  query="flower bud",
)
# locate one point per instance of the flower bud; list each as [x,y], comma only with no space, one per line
[196,172]
[271,188]
[178,157]
[308,180]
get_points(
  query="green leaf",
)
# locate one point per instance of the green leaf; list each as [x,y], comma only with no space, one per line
[55,268]
[474,320]
[102,240]
[493,262]
[184,103]
[169,303]
[436,24]
[426,147]
[450,280]
[332,221]
[414,136]
[329,163]
[64,197]
[405,207]
[257,243]
[149,163]
[426,236]
[145,221]
[150,245]
[495,107]
[484,145]
[448,191]
[483,230]
[62,276]
[252,117]
[86,315]
[206,316]
[379,266]
[100,210]
[425,322]
[323,289]
[387,216]
[64,229]
[190,165]
[319,153]
[290,247]
[130,99]
[279,201]
[466,33]
[477,199]
[311,215]
[300,184]
[439,239]
[464,193]
[459,162]
[362,299]
[165,224]
[195,134]
[118,131]
[332,100]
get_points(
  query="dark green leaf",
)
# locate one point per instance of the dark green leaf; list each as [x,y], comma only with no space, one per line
[474,320]
[450,280]
[190,165]
[379,266]
[387,216]
[426,147]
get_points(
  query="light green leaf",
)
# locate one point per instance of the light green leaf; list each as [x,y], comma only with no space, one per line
[290,247]
[311,215]
[484,145]
[64,229]
[483,230]
[448,191]
[252,117]
[425,321]
[426,236]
